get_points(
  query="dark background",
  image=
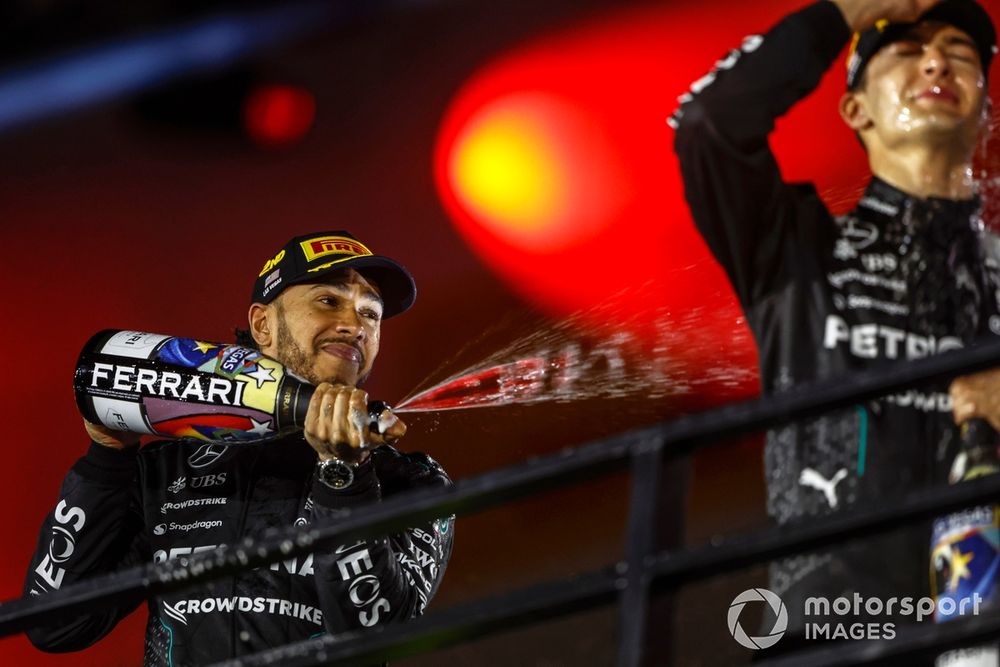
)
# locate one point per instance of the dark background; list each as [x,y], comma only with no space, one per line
[152,210]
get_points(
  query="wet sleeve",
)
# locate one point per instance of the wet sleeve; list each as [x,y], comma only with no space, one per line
[95,528]
[732,183]
[391,579]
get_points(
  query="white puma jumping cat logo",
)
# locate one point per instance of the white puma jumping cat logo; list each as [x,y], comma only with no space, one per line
[810,477]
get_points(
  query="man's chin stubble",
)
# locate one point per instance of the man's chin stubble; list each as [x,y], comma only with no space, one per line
[294,358]
[306,370]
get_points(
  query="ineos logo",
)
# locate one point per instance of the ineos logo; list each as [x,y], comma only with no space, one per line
[206,455]
[363,588]
[68,522]
[780,622]
[66,543]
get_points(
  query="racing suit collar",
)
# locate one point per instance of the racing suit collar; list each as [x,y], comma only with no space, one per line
[938,243]
[888,200]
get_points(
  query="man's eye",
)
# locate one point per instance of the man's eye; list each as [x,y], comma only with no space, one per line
[904,48]
[962,54]
[371,314]
[328,300]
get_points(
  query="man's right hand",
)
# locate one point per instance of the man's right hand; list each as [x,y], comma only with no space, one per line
[863,14]
[107,437]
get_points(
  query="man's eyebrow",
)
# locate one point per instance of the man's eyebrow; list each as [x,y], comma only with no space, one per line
[342,287]
[959,39]
[373,295]
[913,35]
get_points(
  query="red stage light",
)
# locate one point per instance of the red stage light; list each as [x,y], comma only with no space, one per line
[535,170]
[278,114]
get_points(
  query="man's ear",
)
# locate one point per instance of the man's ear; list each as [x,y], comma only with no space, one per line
[260,324]
[854,113]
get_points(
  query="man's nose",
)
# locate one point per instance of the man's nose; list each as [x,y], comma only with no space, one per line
[934,63]
[349,324]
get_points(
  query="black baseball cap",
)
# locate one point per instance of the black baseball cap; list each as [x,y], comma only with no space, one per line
[966,15]
[306,258]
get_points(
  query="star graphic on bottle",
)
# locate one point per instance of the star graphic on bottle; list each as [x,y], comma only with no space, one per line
[262,375]
[260,428]
[202,346]
[959,567]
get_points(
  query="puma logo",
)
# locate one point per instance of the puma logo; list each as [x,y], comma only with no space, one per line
[811,478]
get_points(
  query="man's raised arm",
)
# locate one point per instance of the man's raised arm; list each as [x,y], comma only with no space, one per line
[732,183]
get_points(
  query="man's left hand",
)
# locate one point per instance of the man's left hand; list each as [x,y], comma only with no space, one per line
[337,424]
[977,395]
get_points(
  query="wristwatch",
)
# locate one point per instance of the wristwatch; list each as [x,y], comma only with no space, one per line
[336,473]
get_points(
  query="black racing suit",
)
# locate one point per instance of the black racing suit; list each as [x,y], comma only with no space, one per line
[897,278]
[119,508]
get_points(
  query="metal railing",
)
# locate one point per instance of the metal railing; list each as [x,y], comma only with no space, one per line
[628,583]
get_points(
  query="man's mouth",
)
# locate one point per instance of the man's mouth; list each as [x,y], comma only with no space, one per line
[941,93]
[344,351]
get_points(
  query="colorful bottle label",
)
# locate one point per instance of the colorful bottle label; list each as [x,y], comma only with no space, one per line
[965,556]
[181,387]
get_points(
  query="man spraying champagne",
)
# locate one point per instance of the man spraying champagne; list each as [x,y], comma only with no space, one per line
[317,308]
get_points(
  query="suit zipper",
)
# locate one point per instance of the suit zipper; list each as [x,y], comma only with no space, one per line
[239,538]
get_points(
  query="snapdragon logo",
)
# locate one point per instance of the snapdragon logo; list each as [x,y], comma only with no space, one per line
[162,528]
[780,618]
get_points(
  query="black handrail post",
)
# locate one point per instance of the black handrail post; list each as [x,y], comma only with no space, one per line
[646,464]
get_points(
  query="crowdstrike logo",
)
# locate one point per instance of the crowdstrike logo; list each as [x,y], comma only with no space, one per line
[180,610]
[194,502]
[780,622]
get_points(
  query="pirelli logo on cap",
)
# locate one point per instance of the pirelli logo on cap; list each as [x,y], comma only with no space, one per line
[332,245]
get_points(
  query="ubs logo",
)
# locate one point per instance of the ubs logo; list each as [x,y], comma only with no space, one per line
[202,482]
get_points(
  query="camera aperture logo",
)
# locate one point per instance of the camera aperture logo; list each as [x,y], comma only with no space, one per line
[780,618]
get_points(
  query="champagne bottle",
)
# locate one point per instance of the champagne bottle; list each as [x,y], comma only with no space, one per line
[964,548]
[182,387]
